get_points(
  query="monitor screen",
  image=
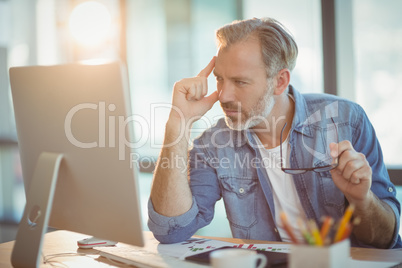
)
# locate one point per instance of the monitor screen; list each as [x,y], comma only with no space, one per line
[80,115]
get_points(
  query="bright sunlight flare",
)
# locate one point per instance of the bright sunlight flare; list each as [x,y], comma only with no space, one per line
[90,23]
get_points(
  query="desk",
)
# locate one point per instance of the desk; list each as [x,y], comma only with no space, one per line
[64,241]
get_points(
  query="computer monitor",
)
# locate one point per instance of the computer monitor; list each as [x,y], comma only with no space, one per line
[74,127]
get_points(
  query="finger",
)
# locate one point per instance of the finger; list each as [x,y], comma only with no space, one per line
[205,87]
[344,151]
[343,182]
[357,176]
[207,70]
[211,99]
[363,173]
[191,92]
[193,88]
[200,90]
[333,147]
[351,167]
[202,87]
[345,157]
[340,181]
[338,148]
[355,179]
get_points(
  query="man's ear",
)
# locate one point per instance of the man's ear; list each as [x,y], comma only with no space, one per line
[282,81]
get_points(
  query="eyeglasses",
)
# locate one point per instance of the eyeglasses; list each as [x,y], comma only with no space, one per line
[295,171]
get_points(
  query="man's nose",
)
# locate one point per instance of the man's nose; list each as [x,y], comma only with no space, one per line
[226,92]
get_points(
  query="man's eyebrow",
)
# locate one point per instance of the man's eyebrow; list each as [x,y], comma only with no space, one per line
[236,77]
[240,78]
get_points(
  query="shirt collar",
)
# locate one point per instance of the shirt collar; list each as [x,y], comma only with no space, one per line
[301,119]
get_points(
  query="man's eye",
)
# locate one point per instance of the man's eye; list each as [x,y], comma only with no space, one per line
[219,79]
[240,83]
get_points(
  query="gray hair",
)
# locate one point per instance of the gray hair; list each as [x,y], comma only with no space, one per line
[279,49]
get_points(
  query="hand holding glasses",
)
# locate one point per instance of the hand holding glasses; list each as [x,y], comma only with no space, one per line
[295,171]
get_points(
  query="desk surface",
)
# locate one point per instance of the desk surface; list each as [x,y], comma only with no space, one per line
[66,242]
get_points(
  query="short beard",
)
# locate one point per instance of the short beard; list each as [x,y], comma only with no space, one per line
[258,114]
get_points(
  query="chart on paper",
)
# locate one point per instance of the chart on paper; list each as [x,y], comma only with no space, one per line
[191,246]
[198,245]
[265,247]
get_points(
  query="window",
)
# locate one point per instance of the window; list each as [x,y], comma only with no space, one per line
[303,20]
[182,43]
[168,41]
[12,197]
[378,53]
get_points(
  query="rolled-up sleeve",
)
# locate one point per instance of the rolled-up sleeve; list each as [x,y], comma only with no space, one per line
[205,190]
[171,229]
[367,143]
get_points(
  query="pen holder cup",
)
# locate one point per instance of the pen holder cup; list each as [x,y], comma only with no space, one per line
[336,255]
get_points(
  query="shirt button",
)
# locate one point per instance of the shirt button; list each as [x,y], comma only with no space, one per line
[276,230]
[241,190]
[390,189]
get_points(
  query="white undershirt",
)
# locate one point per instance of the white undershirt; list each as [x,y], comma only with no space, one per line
[283,188]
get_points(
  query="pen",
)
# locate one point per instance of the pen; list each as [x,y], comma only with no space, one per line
[287,227]
[343,223]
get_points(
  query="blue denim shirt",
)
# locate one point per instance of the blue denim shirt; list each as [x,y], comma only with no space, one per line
[225,164]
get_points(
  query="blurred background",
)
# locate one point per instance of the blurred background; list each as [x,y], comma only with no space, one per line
[351,48]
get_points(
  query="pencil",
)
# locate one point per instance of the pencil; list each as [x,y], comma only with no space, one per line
[315,232]
[326,226]
[287,227]
[343,223]
[348,231]
[349,228]
[305,233]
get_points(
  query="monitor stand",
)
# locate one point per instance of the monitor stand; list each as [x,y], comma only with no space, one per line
[34,222]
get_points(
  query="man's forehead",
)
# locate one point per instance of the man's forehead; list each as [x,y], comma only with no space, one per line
[239,58]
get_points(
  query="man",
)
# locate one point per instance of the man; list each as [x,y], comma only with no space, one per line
[325,144]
